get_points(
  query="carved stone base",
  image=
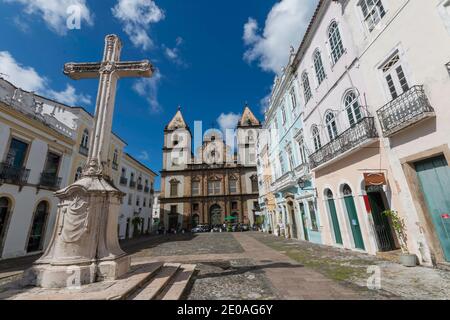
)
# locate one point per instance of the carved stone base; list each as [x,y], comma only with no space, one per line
[52,277]
[84,247]
[112,270]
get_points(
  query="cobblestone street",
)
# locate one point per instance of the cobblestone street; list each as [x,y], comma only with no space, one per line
[257,266]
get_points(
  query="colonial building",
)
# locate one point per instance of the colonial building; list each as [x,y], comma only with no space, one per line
[405,65]
[373,86]
[295,198]
[43,148]
[213,185]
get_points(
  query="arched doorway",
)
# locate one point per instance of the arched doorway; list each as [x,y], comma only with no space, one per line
[195,220]
[215,215]
[383,230]
[5,209]
[35,241]
[294,222]
[333,214]
[353,217]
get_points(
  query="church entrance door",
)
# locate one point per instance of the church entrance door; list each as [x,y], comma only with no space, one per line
[215,215]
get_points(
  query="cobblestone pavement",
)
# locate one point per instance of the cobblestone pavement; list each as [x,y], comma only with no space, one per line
[257,266]
[352,268]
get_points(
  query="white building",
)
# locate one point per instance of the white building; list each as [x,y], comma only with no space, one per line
[43,147]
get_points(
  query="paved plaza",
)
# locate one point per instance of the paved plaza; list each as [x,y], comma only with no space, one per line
[249,266]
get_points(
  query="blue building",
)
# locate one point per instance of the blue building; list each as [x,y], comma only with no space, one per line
[295,214]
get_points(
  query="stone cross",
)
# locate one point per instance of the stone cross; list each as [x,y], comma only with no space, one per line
[109,70]
[85,237]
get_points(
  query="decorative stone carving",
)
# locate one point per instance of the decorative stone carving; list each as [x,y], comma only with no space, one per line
[85,234]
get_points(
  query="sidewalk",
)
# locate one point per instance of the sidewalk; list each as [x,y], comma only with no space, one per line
[295,281]
[355,268]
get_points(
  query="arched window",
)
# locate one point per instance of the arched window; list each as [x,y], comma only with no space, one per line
[79,173]
[318,66]
[336,46]
[353,108]
[116,157]
[347,191]
[5,207]
[329,194]
[306,87]
[85,139]
[330,121]
[316,138]
[35,241]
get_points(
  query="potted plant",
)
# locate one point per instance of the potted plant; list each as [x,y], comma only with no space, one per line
[398,223]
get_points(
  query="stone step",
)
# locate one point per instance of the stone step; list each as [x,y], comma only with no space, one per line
[179,283]
[119,289]
[158,283]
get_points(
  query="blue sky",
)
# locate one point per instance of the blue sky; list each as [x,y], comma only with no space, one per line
[212,57]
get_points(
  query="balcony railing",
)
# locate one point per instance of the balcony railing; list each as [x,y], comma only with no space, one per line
[140,187]
[407,109]
[351,138]
[132,184]
[50,181]
[13,175]
[84,151]
[123,181]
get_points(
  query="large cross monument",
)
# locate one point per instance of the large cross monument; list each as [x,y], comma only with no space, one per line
[84,247]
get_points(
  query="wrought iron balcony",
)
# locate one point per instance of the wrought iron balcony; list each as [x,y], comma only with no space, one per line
[132,184]
[350,139]
[13,175]
[84,150]
[123,181]
[140,187]
[406,110]
[50,181]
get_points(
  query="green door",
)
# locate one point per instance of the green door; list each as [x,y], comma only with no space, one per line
[434,177]
[335,221]
[303,214]
[354,222]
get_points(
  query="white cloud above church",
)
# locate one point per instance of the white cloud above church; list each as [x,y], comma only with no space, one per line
[285,26]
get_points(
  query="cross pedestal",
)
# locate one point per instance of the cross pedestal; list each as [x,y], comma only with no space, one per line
[84,247]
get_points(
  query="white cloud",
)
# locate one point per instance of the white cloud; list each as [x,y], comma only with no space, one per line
[24,77]
[173,54]
[228,121]
[28,79]
[285,26]
[144,156]
[148,88]
[69,96]
[136,17]
[55,12]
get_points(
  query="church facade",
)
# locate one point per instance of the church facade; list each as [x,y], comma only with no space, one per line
[212,184]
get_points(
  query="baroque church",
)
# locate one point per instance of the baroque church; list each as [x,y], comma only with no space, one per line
[213,183]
